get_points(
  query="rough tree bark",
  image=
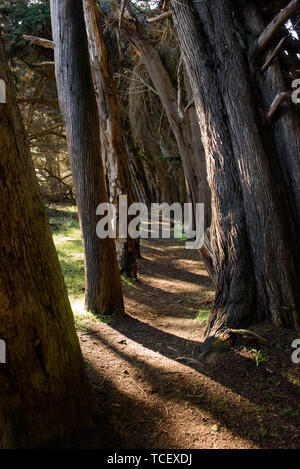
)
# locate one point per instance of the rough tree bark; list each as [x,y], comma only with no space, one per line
[79,110]
[255,253]
[114,154]
[185,127]
[44,392]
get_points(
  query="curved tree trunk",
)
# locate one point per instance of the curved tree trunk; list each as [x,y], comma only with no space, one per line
[185,128]
[44,392]
[79,109]
[255,266]
[115,158]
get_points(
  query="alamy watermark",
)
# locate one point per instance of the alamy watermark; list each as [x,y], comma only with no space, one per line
[142,226]
[296,354]
[296,93]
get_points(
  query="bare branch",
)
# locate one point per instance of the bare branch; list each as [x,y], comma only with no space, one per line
[141,80]
[41,64]
[273,55]
[187,107]
[122,11]
[39,41]
[179,87]
[45,102]
[45,131]
[161,17]
[276,24]
[278,100]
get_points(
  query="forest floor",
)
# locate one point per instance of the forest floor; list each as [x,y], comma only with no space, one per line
[152,388]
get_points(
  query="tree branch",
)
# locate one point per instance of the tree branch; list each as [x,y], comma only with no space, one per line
[161,17]
[276,24]
[45,102]
[45,131]
[278,100]
[39,41]
[273,55]
[41,64]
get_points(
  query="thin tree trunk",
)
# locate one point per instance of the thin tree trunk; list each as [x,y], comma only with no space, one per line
[114,153]
[44,392]
[79,109]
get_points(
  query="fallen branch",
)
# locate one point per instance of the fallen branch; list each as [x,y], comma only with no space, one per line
[278,100]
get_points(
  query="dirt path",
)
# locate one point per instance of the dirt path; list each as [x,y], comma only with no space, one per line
[152,389]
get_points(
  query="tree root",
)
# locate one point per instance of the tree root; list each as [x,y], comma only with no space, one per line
[224,340]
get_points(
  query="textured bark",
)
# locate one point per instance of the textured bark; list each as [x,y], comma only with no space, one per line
[284,131]
[185,128]
[114,155]
[44,391]
[79,110]
[254,263]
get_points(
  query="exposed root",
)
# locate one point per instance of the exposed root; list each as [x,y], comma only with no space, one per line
[224,340]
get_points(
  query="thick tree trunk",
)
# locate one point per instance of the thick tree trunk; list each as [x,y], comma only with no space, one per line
[255,267]
[79,109]
[115,158]
[44,392]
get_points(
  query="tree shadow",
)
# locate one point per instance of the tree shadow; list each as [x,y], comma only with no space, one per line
[169,270]
[121,422]
[261,416]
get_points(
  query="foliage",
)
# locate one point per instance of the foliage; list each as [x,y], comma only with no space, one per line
[25,17]
[258,356]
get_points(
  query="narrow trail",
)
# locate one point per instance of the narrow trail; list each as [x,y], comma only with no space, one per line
[151,388]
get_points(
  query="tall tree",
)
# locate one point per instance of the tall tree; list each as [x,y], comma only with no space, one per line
[114,153]
[182,122]
[44,392]
[255,227]
[79,109]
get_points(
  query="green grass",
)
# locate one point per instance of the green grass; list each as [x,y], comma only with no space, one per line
[202,315]
[68,243]
[127,281]
[67,239]
[258,356]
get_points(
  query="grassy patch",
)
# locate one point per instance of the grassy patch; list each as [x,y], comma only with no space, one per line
[127,281]
[202,315]
[67,239]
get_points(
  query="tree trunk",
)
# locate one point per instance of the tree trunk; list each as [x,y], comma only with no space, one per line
[185,128]
[44,392]
[114,155]
[79,110]
[255,266]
